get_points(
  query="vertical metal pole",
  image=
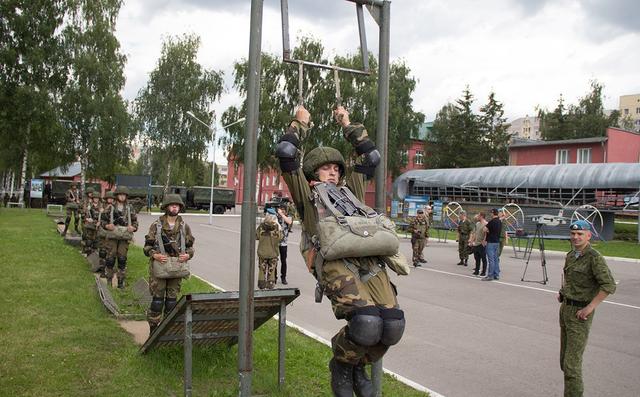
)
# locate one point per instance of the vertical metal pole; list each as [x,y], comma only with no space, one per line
[282,318]
[381,141]
[284,11]
[213,171]
[248,220]
[638,230]
[188,349]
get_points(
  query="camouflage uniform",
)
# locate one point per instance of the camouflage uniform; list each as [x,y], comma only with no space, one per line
[585,275]
[350,296]
[102,240]
[465,228]
[117,249]
[268,235]
[84,216]
[165,291]
[91,223]
[72,197]
[419,229]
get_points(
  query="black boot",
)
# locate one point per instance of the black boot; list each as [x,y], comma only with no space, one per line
[152,327]
[121,283]
[284,281]
[362,385]
[341,378]
[460,263]
[465,262]
[66,226]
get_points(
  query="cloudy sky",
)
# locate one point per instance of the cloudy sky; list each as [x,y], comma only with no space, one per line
[527,51]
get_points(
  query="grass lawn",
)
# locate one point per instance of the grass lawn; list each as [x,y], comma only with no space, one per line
[58,339]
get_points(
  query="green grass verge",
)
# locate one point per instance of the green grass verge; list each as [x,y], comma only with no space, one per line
[58,339]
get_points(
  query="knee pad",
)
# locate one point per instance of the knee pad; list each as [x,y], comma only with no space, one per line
[102,253]
[156,305]
[110,262]
[392,327]
[365,326]
[122,262]
[169,304]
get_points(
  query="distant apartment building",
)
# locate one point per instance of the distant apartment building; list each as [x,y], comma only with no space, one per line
[525,128]
[630,108]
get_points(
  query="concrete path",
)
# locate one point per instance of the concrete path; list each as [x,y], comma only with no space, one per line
[464,337]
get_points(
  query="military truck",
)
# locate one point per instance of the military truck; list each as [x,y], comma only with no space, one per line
[199,197]
[59,188]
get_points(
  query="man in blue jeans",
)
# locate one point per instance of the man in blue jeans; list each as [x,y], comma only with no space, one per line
[493,246]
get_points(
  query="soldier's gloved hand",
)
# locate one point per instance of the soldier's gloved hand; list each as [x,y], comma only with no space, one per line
[183,257]
[160,258]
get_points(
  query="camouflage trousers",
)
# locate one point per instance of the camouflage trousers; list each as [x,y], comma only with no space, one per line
[418,246]
[89,239]
[463,248]
[76,218]
[573,340]
[116,250]
[161,289]
[347,292]
[267,268]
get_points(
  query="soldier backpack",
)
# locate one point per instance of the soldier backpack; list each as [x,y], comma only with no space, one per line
[172,268]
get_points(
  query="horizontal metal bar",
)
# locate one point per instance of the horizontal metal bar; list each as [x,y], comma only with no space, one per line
[208,335]
[377,3]
[274,293]
[219,317]
[328,67]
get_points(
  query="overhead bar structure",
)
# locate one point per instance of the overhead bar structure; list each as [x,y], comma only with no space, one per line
[380,11]
[212,318]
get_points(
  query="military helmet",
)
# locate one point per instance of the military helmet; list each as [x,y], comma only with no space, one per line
[90,190]
[109,194]
[171,199]
[270,221]
[319,157]
[121,190]
[73,184]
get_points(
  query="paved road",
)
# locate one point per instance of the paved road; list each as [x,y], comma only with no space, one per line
[464,337]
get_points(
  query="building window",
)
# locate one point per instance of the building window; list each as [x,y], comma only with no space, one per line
[562,156]
[273,180]
[266,181]
[419,159]
[404,156]
[584,156]
[626,112]
[637,110]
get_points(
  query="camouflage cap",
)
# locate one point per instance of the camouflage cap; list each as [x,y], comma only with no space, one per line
[319,157]
[121,190]
[90,190]
[73,184]
[171,199]
[109,194]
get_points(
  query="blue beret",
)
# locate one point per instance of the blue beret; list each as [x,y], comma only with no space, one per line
[271,211]
[580,225]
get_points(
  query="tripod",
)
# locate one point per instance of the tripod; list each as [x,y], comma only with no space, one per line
[539,235]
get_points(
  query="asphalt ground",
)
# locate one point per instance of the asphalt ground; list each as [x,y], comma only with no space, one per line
[464,336]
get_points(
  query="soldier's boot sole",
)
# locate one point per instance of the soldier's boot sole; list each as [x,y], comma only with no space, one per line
[341,378]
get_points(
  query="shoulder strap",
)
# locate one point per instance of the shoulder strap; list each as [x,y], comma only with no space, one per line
[128,215]
[183,234]
[111,215]
[159,237]
[368,211]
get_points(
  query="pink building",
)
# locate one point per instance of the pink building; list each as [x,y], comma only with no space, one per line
[617,146]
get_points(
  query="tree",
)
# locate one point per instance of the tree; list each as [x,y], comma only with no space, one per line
[494,128]
[32,74]
[94,114]
[178,84]
[279,95]
[587,119]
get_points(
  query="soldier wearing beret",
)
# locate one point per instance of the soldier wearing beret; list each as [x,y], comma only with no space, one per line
[587,281]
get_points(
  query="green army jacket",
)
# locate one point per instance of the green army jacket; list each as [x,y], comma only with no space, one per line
[419,227]
[465,228]
[268,241]
[170,236]
[72,197]
[586,275]
[300,189]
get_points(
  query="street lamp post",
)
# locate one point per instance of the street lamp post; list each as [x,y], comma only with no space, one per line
[213,159]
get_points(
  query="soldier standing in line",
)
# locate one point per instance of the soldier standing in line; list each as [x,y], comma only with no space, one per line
[89,193]
[174,241]
[119,222]
[109,198]
[587,281]
[465,228]
[91,221]
[419,228]
[358,287]
[269,236]
[73,202]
